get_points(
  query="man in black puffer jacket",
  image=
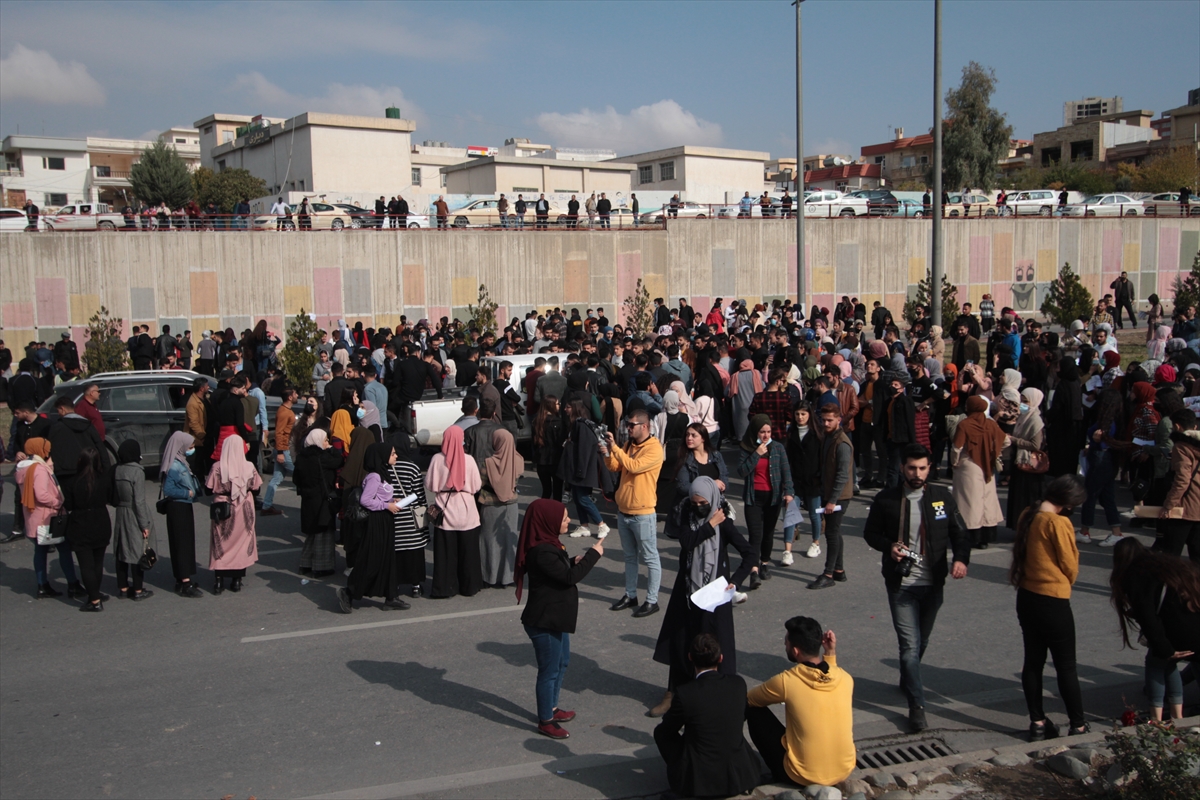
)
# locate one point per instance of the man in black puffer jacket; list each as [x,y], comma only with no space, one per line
[69,435]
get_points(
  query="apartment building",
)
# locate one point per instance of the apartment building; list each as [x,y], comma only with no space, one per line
[700,174]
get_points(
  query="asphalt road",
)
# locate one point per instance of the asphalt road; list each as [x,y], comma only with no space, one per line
[274,693]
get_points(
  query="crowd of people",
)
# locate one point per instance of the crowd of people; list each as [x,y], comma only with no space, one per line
[805,410]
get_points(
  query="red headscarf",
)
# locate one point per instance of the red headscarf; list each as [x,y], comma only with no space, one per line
[951,373]
[1112,360]
[456,459]
[543,521]
[1165,374]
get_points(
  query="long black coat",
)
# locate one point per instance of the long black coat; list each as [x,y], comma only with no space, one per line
[683,621]
[315,476]
[88,524]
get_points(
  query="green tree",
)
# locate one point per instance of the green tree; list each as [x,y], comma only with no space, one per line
[1187,289]
[227,188]
[975,136]
[1168,172]
[161,176]
[104,350]
[483,316]
[1068,299]
[638,313]
[949,300]
[299,354]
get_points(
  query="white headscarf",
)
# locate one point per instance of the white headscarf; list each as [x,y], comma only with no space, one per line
[235,469]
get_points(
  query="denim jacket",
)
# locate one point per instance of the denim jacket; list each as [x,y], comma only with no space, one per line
[778,470]
[180,481]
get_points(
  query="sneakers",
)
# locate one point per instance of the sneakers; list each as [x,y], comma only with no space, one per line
[814,550]
[601,530]
[739,598]
[787,559]
[1083,538]
[1040,733]
[553,730]
[580,532]
[344,601]
[1112,540]
[823,581]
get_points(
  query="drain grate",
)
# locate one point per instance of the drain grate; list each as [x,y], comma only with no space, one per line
[898,754]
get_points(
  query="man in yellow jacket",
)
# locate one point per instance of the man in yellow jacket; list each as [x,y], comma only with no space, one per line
[637,465]
[817,744]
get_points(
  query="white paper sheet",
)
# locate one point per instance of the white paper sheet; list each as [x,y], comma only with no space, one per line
[792,514]
[717,593]
[407,501]
[821,510]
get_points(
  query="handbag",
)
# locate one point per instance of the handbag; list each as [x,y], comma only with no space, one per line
[220,510]
[163,503]
[54,532]
[1035,462]
[354,509]
[148,560]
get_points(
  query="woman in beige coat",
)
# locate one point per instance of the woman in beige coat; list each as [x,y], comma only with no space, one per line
[978,442]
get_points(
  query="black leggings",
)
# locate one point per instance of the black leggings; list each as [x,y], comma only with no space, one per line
[123,570]
[552,485]
[761,517]
[1048,625]
[91,569]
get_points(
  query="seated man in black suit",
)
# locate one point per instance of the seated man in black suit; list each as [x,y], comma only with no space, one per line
[710,758]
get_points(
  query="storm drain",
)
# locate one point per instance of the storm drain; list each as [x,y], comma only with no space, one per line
[893,755]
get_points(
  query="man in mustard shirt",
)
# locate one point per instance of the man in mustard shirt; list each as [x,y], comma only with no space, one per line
[817,744]
[638,465]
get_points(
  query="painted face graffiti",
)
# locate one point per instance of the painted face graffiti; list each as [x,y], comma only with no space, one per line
[1024,292]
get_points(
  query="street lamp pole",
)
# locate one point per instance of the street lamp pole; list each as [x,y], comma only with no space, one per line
[799,204]
[936,271]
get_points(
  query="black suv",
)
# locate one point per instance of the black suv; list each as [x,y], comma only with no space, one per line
[880,202]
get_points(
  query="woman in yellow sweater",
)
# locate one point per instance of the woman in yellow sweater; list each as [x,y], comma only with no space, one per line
[1044,566]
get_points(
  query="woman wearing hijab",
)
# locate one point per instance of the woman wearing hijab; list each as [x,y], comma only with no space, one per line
[937,344]
[315,476]
[743,386]
[89,529]
[342,424]
[768,489]
[180,487]
[978,442]
[706,529]
[498,510]
[404,474]
[133,530]
[1064,420]
[1024,488]
[453,480]
[41,499]
[1103,447]
[233,545]
[350,484]
[553,607]
[672,427]
[371,420]
[1156,348]
[374,572]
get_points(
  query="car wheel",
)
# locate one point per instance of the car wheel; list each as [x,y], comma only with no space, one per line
[105,225]
[413,226]
[289,225]
[1044,211]
[991,212]
[1090,213]
[1131,212]
[461,222]
[337,225]
[846,212]
[699,216]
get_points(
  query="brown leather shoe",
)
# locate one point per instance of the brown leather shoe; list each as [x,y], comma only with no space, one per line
[663,706]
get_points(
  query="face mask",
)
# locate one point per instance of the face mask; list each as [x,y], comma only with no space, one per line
[1024,408]
[311,409]
[360,413]
[701,510]
[191,451]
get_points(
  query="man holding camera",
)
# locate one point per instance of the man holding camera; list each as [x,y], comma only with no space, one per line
[914,525]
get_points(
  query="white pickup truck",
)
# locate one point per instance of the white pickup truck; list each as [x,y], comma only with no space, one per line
[84,217]
[427,419]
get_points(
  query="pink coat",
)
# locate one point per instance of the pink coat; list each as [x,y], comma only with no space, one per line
[459,510]
[48,496]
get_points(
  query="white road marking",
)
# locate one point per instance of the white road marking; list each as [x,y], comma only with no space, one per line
[386,624]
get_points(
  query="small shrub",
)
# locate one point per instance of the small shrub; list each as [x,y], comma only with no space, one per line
[949,301]
[483,316]
[104,350]
[1161,762]
[638,311]
[299,354]
[1068,299]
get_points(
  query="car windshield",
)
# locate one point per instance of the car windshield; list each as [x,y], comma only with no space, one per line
[1092,201]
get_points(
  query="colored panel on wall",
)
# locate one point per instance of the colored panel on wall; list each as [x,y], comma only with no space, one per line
[576,282]
[387,321]
[50,295]
[357,286]
[414,285]
[200,324]
[1047,267]
[205,300]
[296,298]
[18,315]
[629,269]
[823,281]
[83,306]
[1168,259]
[916,270]
[1132,257]
[180,324]
[791,269]
[1002,256]
[846,279]
[463,292]
[1189,245]
[724,273]
[1110,255]
[980,259]
[656,285]
[327,291]
[141,303]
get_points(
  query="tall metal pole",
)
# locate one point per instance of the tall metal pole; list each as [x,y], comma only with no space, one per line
[936,272]
[801,289]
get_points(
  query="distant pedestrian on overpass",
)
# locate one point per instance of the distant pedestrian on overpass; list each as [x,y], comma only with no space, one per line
[442,211]
[604,209]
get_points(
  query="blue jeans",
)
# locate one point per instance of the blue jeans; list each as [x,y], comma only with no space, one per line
[585,506]
[1101,485]
[914,610]
[552,649]
[281,471]
[40,554]
[639,539]
[1164,684]
[813,503]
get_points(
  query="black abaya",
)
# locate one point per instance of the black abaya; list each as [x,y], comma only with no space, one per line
[374,573]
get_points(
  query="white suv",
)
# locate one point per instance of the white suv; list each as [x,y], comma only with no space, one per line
[828,203]
[1041,202]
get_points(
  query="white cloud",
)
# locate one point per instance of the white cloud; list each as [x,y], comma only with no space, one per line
[663,124]
[338,98]
[36,75]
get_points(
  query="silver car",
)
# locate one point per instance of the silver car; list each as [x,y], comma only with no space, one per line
[1104,205]
[1166,204]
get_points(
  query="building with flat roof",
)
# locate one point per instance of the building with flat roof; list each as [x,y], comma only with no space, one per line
[700,174]
[313,152]
[1089,141]
[845,178]
[492,175]
[1080,110]
[901,159]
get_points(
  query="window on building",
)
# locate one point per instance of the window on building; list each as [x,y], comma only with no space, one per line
[1051,155]
[221,165]
[666,171]
[103,171]
[442,180]
[54,163]
[208,129]
[226,136]
[908,161]
[55,199]
[924,159]
[1082,151]
[180,141]
[416,176]
[526,189]
[879,159]
[646,174]
[302,184]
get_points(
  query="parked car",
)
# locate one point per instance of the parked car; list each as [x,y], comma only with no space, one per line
[910,208]
[828,203]
[364,218]
[686,210]
[970,205]
[880,202]
[774,212]
[1039,202]
[486,214]
[429,417]
[1166,204]
[84,217]
[618,218]
[1104,205]
[324,216]
[15,220]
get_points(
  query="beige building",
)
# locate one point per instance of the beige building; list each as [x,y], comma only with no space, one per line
[903,158]
[313,152]
[511,174]
[1088,142]
[700,174]
[1076,111]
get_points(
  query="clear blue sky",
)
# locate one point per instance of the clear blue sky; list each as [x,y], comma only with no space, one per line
[625,75]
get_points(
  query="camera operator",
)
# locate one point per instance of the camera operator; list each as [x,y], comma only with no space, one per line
[913,525]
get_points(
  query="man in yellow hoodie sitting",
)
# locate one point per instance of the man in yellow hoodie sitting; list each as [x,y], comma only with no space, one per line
[638,465]
[817,744]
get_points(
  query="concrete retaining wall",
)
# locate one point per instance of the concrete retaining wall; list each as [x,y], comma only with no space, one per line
[54,282]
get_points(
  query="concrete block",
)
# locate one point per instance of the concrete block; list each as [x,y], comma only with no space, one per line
[1084,754]
[1010,760]
[895,794]
[1070,767]
[907,780]
[881,780]
[853,786]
